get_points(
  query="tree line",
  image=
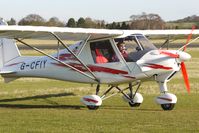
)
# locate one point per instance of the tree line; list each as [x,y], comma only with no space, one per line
[140,21]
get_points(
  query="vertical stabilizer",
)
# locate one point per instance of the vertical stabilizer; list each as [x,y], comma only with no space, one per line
[8,49]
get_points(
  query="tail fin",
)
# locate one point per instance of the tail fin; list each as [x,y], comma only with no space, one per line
[8,49]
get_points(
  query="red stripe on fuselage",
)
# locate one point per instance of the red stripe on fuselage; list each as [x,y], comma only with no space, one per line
[106,70]
[127,76]
[94,68]
[66,56]
[13,64]
[156,66]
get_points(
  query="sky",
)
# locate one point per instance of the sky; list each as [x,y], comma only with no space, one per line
[108,10]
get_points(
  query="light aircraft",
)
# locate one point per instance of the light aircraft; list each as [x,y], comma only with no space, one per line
[96,59]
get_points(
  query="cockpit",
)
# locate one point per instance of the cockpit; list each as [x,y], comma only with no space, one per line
[135,46]
[130,48]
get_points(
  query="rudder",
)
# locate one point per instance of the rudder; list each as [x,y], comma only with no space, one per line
[8,49]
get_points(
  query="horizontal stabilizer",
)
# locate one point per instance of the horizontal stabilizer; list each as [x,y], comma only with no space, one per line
[7,72]
[7,80]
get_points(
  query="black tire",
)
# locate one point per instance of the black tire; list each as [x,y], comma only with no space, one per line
[134,104]
[92,107]
[168,106]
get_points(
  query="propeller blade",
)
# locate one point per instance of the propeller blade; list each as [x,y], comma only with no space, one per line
[185,76]
[172,55]
[189,37]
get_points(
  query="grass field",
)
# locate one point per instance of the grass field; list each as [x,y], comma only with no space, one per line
[31,105]
[185,25]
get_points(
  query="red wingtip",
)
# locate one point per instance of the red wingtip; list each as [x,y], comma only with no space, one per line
[185,76]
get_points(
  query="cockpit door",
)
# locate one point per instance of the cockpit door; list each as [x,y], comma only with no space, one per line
[135,46]
[104,52]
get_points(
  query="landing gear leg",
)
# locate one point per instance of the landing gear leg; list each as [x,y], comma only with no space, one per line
[97,89]
[136,98]
[130,90]
[94,101]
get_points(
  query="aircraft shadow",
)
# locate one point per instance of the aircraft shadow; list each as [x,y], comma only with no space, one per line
[23,106]
[37,97]
[137,109]
[55,105]
[51,104]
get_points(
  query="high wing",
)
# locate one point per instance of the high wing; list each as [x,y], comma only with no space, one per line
[64,33]
[161,32]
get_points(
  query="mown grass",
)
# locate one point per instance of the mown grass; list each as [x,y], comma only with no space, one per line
[66,114]
[30,105]
[185,25]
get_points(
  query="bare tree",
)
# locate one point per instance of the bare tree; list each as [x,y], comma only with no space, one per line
[12,21]
[33,19]
[54,21]
[100,24]
[147,21]
[89,23]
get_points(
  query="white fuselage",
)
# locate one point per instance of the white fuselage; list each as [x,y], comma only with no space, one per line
[152,63]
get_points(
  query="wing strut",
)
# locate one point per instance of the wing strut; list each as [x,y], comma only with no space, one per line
[189,43]
[67,65]
[59,40]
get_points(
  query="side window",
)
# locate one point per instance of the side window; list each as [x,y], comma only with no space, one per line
[103,52]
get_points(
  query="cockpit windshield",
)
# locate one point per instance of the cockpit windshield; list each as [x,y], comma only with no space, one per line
[145,43]
[133,47]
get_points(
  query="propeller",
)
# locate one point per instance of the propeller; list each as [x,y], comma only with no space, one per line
[185,76]
[181,56]
[183,67]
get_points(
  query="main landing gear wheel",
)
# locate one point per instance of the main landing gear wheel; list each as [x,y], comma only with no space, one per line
[133,99]
[168,106]
[93,102]
[92,107]
[132,104]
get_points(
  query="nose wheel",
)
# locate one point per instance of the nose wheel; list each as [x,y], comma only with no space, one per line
[167,101]
[168,106]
